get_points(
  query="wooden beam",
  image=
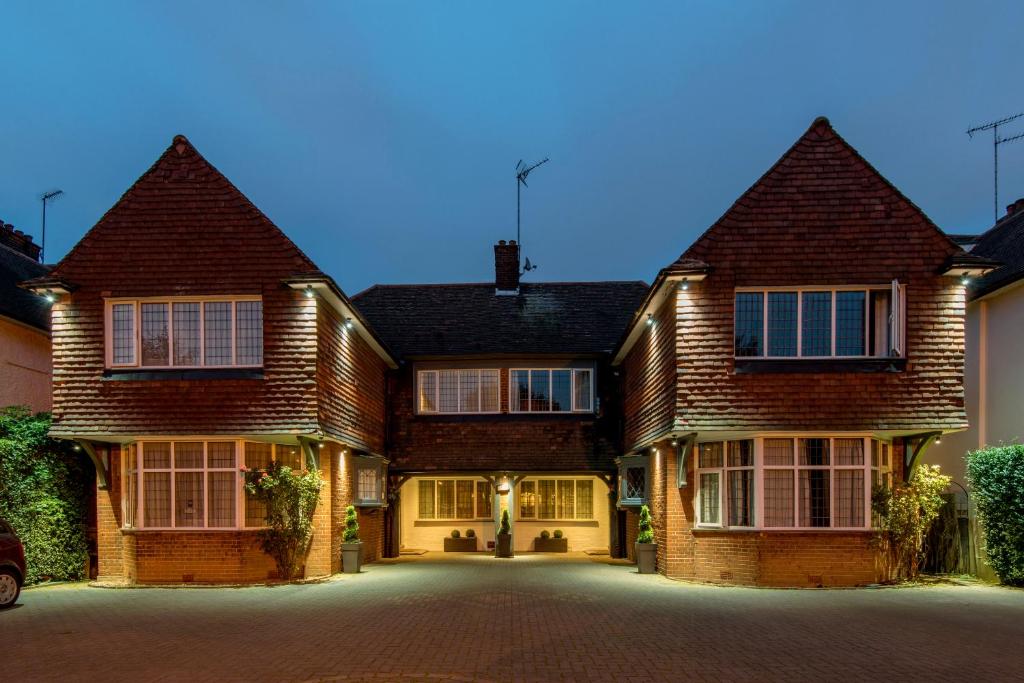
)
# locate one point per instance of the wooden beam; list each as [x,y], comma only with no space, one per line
[683,450]
[312,451]
[914,447]
[101,462]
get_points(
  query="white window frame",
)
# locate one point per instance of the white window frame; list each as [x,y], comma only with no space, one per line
[576,481]
[897,319]
[437,507]
[574,373]
[759,469]
[137,303]
[436,372]
[723,484]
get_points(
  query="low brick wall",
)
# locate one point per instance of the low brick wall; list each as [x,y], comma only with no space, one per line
[200,556]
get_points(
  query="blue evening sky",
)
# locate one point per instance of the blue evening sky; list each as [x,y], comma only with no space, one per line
[382,137]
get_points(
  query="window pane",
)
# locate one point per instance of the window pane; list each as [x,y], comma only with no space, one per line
[741,453]
[368,484]
[249,332]
[817,324]
[879,323]
[566,499]
[814,452]
[585,499]
[741,498]
[448,398]
[289,456]
[546,499]
[484,499]
[464,499]
[469,391]
[188,499]
[217,330]
[156,455]
[540,390]
[709,454]
[154,334]
[428,392]
[123,322]
[188,454]
[778,498]
[849,451]
[220,454]
[490,385]
[709,498]
[520,380]
[749,323]
[782,323]
[814,498]
[426,498]
[446,499]
[778,452]
[849,323]
[185,318]
[583,391]
[636,483]
[156,499]
[561,390]
[849,497]
[528,499]
[221,498]
[257,456]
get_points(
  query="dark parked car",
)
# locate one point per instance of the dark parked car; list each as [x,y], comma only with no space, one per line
[12,565]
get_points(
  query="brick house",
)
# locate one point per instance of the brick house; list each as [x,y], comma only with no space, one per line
[192,337]
[807,347]
[504,400]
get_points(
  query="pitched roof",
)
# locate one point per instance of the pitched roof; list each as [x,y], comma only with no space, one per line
[1003,242]
[470,319]
[18,303]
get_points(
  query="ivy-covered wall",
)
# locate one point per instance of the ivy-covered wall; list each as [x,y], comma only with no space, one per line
[44,486]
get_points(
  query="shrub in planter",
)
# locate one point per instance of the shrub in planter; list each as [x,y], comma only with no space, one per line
[645,548]
[545,535]
[558,533]
[455,533]
[290,498]
[996,475]
[905,513]
[503,541]
[351,546]
[546,544]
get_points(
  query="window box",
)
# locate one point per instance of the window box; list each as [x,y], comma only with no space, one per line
[551,545]
[460,545]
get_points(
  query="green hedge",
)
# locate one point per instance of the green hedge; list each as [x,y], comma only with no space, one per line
[43,494]
[996,475]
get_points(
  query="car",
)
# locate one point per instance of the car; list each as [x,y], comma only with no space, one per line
[12,565]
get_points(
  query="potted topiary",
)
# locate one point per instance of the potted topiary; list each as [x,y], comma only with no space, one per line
[645,547]
[351,546]
[503,542]
[546,544]
[456,544]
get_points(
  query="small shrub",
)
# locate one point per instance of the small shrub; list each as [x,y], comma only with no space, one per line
[290,498]
[351,534]
[996,476]
[905,514]
[505,528]
[558,533]
[545,535]
[646,534]
[455,533]
[470,533]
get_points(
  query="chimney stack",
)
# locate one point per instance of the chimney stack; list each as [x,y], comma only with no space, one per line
[19,241]
[1015,207]
[506,267]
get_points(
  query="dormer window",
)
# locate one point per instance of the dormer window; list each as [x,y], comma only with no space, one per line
[185,333]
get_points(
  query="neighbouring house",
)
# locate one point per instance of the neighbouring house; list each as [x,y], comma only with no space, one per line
[504,400]
[806,348]
[24,325]
[191,337]
[993,373]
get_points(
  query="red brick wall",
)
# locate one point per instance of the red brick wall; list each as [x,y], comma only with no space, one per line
[649,377]
[504,441]
[201,556]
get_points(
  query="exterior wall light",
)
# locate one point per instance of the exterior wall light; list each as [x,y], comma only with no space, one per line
[349,324]
[309,291]
[965,280]
[938,440]
[685,284]
[650,318]
[50,297]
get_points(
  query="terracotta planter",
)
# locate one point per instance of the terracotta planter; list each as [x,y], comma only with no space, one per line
[503,546]
[646,557]
[551,545]
[351,557]
[460,545]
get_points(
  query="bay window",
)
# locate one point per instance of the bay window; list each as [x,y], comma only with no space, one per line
[182,333]
[551,390]
[820,322]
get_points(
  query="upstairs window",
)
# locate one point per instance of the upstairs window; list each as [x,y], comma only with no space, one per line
[458,391]
[179,333]
[551,390]
[820,322]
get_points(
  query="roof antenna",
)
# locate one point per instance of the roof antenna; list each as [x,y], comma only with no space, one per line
[522,170]
[50,196]
[996,141]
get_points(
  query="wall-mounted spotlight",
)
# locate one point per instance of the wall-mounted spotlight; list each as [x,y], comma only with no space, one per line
[349,324]
[309,291]
[685,284]
[938,440]
[50,297]
[965,280]
[650,318]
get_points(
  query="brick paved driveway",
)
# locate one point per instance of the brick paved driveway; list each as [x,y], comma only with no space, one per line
[532,618]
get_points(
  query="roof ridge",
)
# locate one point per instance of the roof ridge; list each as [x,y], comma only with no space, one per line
[25,256]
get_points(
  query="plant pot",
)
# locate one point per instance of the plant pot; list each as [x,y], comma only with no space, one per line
[459,545]
[646,557]
[551,545]
[503,546]
[351,557]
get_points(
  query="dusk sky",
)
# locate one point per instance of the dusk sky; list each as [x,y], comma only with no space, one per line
[382,137]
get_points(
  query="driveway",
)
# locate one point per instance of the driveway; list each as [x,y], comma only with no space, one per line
[534,618]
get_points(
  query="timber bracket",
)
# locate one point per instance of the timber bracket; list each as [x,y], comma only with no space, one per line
[100,460]
[914,446]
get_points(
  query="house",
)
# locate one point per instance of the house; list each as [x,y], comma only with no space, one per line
[993,373]
[504,400]
[191,338]
[806,348]
[24,325]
